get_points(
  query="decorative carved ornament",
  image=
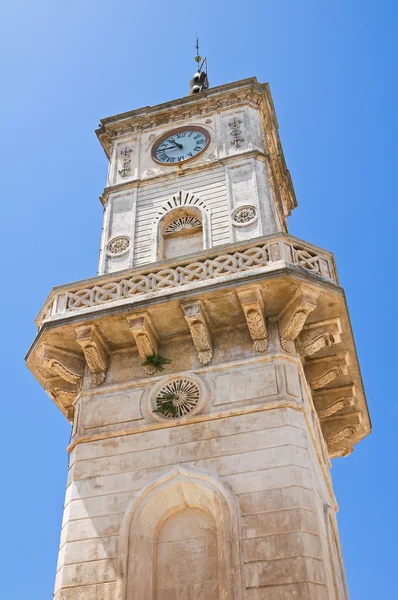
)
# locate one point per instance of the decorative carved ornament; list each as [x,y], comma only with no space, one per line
[182,395]
[292,317]
[66,365]
[145,337]
[318,335]
[196,318]
[162,278]
[330,401]
[322,371]
[63,373]
[340,433]
[178,398]
[183,223]
[93,346]
[236,132]
[244,215]
[125,160]
[253,306]
[118,245]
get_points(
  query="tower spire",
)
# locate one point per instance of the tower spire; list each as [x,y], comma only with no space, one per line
[199,81]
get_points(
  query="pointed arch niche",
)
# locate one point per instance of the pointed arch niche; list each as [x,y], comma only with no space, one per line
[182,226]
[181,531]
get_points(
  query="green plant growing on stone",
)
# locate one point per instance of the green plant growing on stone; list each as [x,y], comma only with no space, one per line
[155,362]
[166,406]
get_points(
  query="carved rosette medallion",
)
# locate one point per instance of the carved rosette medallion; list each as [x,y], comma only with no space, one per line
[244,215]
[118,245]
[176,398]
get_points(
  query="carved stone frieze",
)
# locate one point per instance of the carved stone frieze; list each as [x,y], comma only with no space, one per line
[316,336]
[196,318]
[322,371]
[292,317]
[330,401]
[145,337]
[253,306]
[89,339]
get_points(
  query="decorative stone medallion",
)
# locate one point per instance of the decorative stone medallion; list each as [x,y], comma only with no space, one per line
[118,245]
[244,215]
[176,398]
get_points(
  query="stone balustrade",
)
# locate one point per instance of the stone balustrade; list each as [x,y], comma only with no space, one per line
[228,262]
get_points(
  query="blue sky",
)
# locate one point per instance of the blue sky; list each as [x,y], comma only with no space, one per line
[332,70]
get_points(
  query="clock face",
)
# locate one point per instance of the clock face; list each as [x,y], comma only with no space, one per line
[180,145]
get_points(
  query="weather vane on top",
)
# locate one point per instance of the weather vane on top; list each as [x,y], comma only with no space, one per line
[199,81]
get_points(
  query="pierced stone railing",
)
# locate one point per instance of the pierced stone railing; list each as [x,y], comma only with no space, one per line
[264,254]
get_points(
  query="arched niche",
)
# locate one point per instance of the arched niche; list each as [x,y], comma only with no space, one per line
[181,489]
[180,232]
[182,226]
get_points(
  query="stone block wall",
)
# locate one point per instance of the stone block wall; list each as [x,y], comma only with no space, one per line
[267,460]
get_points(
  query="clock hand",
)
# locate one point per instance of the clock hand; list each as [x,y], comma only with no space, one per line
[174,142]
[172,147]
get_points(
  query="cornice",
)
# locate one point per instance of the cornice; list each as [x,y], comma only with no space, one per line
[224,97]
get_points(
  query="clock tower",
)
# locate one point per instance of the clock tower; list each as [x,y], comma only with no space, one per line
[208,370]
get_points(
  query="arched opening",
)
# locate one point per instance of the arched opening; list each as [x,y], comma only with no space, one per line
[180,538]
[181,232]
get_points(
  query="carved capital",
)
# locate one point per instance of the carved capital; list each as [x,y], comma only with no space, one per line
[292,317]
[93,346]
[253,307]
[66,365]
[196,318]
[318,335]
[330,401]
[145,337]
[321,371]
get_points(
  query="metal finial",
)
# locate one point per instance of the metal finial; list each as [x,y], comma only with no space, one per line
[199,82]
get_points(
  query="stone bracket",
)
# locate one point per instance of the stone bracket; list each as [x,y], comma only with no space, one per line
[321,371]
[93,346]
[145,337]
[252,304]
[340,433]
[66,365]
[292,317]
[330,401]
[195,316]
[63,394]
[316,336]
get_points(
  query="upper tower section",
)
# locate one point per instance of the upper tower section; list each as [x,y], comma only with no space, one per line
[192,174]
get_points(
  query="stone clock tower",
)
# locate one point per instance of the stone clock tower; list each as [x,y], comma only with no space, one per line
[209,370]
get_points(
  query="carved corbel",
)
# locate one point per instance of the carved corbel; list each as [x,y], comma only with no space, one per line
[253,306]
[66,365]
[321,371]
[318,335]
[145,337]
[64,397]
[340,433]
[292,317]
[332,400]
[196,318]
[93,346]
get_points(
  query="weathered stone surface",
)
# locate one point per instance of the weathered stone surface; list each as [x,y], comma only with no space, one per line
[204,473]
